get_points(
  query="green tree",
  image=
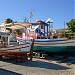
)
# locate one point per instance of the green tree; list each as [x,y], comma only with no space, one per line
[18,32]
[71,29]
[71,25]
[26,20]
[8,20]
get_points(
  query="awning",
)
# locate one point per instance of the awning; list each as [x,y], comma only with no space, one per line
[23,24]
[18,25]
[15,27]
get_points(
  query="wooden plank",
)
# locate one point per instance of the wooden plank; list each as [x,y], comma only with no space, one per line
[31,50]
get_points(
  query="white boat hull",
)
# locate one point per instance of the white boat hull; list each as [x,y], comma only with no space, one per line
[18,48]
[54,42]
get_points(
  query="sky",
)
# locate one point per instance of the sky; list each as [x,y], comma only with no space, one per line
[59,11]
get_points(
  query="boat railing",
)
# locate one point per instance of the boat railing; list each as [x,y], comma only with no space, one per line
[5,44]
[14,43]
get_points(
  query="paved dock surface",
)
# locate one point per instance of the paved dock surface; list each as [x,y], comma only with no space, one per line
[36,67]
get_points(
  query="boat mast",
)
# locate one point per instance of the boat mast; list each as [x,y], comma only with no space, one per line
[31,14]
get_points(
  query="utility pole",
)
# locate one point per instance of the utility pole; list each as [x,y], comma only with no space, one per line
[64,28]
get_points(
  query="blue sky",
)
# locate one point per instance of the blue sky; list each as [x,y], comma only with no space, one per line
[58,10]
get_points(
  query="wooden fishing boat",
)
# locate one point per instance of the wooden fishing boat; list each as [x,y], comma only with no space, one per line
[60,45]
[54,45]
[12,47]
[44,44]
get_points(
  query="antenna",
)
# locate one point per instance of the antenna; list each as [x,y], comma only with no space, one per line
[31,14]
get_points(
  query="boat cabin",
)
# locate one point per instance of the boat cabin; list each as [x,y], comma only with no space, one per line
[7,39]
[3,39]
[39,30]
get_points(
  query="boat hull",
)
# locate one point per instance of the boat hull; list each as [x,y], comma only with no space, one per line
[55,45]
[55,49]
[17,48]
[62,45]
